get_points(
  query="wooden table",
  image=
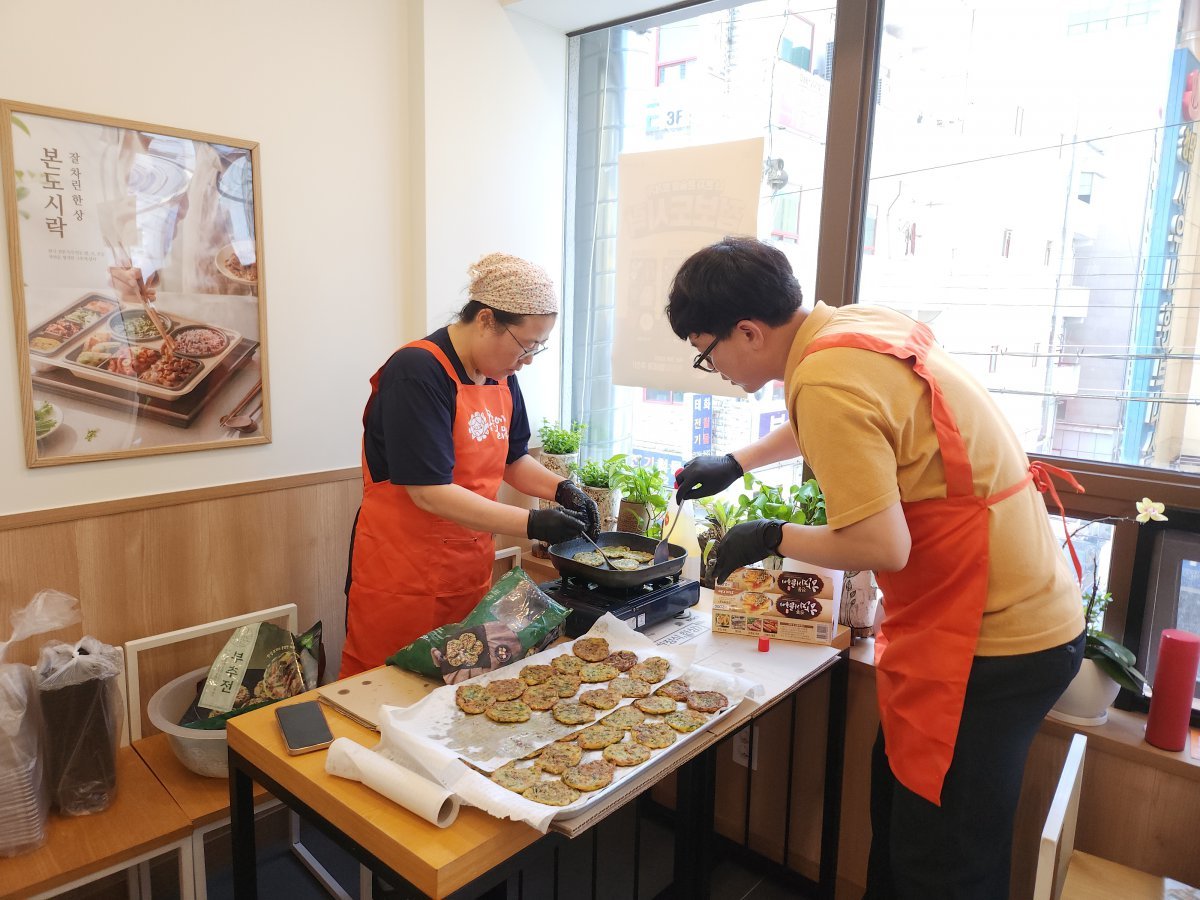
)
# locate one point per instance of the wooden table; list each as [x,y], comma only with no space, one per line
[141,819]
[479,852]
[203,800]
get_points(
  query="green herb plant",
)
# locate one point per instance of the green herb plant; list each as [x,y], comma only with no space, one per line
[560,441]
[601,473]
[799,504]
[644,486]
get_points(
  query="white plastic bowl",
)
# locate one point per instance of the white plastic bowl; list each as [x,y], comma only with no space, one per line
[203,752]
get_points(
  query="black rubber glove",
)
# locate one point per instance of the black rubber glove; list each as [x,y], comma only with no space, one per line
[554,525]
[705,476]
[569,496]
[746,544]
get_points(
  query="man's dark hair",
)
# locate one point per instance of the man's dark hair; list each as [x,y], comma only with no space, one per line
[734,279]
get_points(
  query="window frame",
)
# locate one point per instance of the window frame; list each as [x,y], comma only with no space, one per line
[661,65]
[1112,489]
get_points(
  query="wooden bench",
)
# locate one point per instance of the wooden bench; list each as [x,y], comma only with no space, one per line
[205,801]
[142,822]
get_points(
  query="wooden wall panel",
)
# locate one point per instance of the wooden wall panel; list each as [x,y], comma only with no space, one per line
[862,724]
[145,568]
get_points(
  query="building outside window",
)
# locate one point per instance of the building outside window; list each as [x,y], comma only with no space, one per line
[1083,329]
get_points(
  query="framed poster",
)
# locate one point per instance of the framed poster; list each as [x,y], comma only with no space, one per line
[137,286]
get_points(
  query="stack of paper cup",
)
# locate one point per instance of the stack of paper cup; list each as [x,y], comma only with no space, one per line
[24,801]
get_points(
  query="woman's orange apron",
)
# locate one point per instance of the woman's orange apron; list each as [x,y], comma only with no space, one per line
[412,571]
[934,605]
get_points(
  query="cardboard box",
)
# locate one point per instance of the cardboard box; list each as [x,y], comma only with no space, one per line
[798,603]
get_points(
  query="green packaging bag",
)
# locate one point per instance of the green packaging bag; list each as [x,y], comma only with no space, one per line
[513,620]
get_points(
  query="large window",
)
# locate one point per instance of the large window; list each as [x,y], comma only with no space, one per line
[1018,177]
[1065,150]
[698,78]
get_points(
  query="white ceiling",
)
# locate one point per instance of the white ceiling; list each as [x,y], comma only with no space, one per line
[569,16]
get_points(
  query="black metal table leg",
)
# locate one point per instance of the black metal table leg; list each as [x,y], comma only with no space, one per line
[241,831]
[696,786]
[835,750]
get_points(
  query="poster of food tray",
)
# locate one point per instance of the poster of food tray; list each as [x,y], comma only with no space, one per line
[137,286]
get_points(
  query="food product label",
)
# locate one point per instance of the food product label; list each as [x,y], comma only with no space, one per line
[789,605]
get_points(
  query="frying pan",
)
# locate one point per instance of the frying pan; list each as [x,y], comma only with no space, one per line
[562,556]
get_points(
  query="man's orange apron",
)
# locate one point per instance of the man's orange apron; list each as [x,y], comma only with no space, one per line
[412,571]
[934,605]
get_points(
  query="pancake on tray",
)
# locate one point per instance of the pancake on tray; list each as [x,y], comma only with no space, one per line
[572,713]
[707,701]
[626,754]
[601,698]
[551,793]
[655,706]
[516,780]
[676,690]
[556,758]
[590,776]
[591,649]
[685,720]
[624,660]
[655,735]
[508,712]
[473,698]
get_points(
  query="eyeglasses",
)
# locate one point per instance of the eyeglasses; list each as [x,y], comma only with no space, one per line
[526,352]
[702,361]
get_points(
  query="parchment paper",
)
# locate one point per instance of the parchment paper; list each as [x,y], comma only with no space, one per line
[433,736]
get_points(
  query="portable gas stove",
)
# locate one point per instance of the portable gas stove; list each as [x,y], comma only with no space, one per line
[641,606]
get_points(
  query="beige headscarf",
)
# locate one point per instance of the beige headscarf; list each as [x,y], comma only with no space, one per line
[513,285]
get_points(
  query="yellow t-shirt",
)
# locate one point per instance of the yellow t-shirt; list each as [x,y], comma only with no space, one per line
[863,423]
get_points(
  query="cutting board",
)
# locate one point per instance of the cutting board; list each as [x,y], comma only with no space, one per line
[360,696]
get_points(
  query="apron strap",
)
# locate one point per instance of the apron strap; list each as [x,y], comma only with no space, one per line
[440,356]
[960,481]
[1041,473]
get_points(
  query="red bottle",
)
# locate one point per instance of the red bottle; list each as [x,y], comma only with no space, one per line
[1174,688]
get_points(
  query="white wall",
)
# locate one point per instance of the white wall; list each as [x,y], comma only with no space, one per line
[399,142]
[494,157]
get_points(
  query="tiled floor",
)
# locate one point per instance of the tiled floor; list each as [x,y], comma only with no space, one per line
[283,877]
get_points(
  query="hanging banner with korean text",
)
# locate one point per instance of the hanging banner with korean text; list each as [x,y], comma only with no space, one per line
[672,203]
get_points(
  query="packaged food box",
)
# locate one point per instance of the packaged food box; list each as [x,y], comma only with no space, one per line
[798,603]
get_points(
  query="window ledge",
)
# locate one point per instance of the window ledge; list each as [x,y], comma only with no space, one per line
[1122,735]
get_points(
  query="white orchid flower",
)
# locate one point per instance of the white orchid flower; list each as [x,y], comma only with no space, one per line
[1149,509]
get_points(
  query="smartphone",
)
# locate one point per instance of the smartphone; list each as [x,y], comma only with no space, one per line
[304,727]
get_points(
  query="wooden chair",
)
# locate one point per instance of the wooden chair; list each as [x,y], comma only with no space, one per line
[206,800]
[143,822]
[1064,873]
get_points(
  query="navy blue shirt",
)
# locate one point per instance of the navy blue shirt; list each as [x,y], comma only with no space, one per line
[410,429]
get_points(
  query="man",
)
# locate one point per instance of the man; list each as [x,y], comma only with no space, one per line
[926,484]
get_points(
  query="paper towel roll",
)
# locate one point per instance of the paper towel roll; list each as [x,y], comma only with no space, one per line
[430,801]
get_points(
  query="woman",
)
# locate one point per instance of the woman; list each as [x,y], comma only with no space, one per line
[444,425]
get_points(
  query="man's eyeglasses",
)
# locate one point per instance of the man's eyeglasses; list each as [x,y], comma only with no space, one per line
[526,352]
[702,361]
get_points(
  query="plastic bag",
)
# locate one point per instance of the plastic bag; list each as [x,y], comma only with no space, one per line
[514,619]
[24,800]
[260,664]
[82,706]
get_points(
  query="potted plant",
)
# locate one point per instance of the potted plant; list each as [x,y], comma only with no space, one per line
[719,517]
[560,452]
[643,497]
[799,504]
[1107,665]
[560,446]
[599,480]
